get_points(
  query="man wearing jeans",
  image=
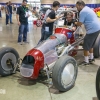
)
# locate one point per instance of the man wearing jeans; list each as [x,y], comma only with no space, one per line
[92,25]
[49,19]
[22,18]
[7,13]
[10,9]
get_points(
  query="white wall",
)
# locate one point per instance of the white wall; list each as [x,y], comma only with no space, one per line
[50,1]
[61,1]
[70,1]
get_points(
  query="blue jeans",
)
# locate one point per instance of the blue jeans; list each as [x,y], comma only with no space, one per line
[23,33]
[7,18]
[10,17]
[44,35]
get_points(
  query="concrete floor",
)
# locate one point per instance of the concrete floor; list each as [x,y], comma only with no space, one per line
[19,88]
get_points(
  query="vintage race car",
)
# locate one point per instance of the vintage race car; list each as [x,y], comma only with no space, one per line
[52,58]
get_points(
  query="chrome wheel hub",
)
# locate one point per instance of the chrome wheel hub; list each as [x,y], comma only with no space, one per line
[67,74]
[5,61]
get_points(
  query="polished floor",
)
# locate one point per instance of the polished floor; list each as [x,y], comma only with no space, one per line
[19,88]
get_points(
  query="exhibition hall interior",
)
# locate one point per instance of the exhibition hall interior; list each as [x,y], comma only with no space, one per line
[49,50]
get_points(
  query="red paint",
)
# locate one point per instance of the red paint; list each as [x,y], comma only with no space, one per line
[74,52]
[34,22]
[61,30]
[39,62]
[72,39]
[39,57]
[96,9]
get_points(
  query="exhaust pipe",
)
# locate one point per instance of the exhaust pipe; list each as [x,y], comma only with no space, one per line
[71,47]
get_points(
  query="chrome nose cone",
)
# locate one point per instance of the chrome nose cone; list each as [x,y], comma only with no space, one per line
[26,70]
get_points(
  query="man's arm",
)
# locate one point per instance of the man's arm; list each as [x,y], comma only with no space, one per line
[48,20]
[78,23]
[17,16]
[6,10]
[82,17]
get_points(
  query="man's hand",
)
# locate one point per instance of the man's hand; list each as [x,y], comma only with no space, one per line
[8,14]
[28,15]
[75,23]
[17,17]
[57,17]
[62,15]
[19,23]
[73,28]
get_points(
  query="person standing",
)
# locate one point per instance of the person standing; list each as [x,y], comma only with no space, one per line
[22,19]
[10,10]
[92,25]
[0,11]
[7,13]
[49,19]
[15,8]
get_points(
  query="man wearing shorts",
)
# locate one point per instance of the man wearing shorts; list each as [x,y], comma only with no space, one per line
[92,25]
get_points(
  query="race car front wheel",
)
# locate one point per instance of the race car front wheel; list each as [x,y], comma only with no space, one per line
[64,73]
[98,83]
[8,58]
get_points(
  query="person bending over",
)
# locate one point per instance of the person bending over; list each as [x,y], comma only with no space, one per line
[92,25]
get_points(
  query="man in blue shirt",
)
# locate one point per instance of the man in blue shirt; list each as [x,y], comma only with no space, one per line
[92,25]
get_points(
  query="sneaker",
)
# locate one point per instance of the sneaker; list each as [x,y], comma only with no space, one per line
[21,43]
[26,42]
[91,60]
[7,24]
[12,23]
[84,63]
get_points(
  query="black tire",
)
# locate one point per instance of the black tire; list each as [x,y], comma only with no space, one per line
[98,83]
[5,54]
[97,47]
[58,72]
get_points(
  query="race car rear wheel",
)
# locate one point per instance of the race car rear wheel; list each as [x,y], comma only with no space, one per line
[64,73]
[98,83]
[97,47]
[8,58]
